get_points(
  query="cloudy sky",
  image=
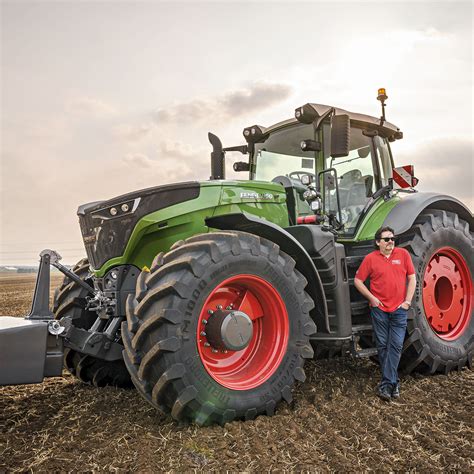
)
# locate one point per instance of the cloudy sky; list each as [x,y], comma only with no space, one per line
[101,98]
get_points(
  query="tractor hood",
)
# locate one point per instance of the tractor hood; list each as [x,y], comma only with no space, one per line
[106,226]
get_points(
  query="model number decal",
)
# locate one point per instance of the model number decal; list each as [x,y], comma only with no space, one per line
[264,196]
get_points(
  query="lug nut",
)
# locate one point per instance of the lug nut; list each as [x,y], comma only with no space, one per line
[219,306]
[204,321]
[206,344]
[214,350]
[202,333]
[209,311]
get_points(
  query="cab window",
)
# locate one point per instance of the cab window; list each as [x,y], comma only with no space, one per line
[355,176]
[281,154]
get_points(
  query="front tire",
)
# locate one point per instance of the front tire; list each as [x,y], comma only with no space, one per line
[176,360]
[440,332]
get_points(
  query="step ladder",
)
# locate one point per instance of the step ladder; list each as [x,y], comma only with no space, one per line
[357,331]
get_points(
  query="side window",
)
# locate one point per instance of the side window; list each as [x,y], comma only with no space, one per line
[383,157]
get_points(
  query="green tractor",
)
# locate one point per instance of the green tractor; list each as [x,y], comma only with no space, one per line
[209,296]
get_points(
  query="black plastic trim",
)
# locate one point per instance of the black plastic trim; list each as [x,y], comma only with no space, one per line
[403,215]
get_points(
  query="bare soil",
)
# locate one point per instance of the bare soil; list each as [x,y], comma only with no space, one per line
[335,423]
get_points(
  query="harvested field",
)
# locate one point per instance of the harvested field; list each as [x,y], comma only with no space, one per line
[335,423]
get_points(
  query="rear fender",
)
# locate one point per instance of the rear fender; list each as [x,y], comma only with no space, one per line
[403,215]
[247,223]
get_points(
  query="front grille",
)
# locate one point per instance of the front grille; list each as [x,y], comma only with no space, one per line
[106,236]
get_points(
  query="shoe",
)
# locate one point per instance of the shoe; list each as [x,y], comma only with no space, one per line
[396,391]
[384,393]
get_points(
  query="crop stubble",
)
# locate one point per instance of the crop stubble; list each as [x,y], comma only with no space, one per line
[335,423]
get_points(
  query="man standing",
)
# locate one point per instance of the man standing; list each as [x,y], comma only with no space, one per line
[388,269]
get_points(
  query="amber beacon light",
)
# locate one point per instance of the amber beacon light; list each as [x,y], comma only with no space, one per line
[382,96]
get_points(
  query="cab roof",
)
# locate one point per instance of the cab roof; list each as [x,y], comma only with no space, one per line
[368,122]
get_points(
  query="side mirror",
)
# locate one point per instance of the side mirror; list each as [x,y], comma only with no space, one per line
[340,135]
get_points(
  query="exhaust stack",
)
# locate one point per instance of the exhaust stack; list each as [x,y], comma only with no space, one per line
[217,157]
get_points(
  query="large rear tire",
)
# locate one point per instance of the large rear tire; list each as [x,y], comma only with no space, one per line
[70,301]
[440,332]
[177,359]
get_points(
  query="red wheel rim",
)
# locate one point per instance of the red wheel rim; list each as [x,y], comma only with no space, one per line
[253,365]
[447,293]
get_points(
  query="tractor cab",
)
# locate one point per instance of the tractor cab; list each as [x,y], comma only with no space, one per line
[345,156]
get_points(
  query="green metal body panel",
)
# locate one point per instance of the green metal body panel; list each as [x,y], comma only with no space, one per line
[373,220]
[158,231]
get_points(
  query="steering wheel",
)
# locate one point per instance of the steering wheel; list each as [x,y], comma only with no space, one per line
[298,174]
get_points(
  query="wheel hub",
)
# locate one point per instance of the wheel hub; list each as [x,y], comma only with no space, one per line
[242,332]
[447,293]
[229,330]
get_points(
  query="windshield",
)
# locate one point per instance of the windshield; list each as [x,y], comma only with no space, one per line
[271,165]
[281,155]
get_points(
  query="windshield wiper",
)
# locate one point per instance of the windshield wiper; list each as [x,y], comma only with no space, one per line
[345,161]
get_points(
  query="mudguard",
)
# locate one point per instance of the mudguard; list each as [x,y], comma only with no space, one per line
[403,215]
[288,244]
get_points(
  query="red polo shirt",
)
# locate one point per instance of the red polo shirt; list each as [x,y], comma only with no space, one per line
[388,276]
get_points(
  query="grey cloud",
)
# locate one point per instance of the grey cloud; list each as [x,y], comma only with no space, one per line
[258,96]
[445,166]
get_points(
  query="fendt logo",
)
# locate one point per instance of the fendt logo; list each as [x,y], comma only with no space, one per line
[262,196]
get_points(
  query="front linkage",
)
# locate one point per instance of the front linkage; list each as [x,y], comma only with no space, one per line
[32,348]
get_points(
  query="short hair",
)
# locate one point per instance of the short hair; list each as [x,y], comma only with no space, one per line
[378,234]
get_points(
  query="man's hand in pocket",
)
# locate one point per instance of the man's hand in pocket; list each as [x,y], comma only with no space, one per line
[375,302]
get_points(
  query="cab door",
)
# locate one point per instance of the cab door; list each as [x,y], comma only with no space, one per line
[358,178]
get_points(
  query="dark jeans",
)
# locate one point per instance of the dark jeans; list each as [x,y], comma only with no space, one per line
[389,330]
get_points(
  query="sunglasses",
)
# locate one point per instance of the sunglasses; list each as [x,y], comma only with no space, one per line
[388,239]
